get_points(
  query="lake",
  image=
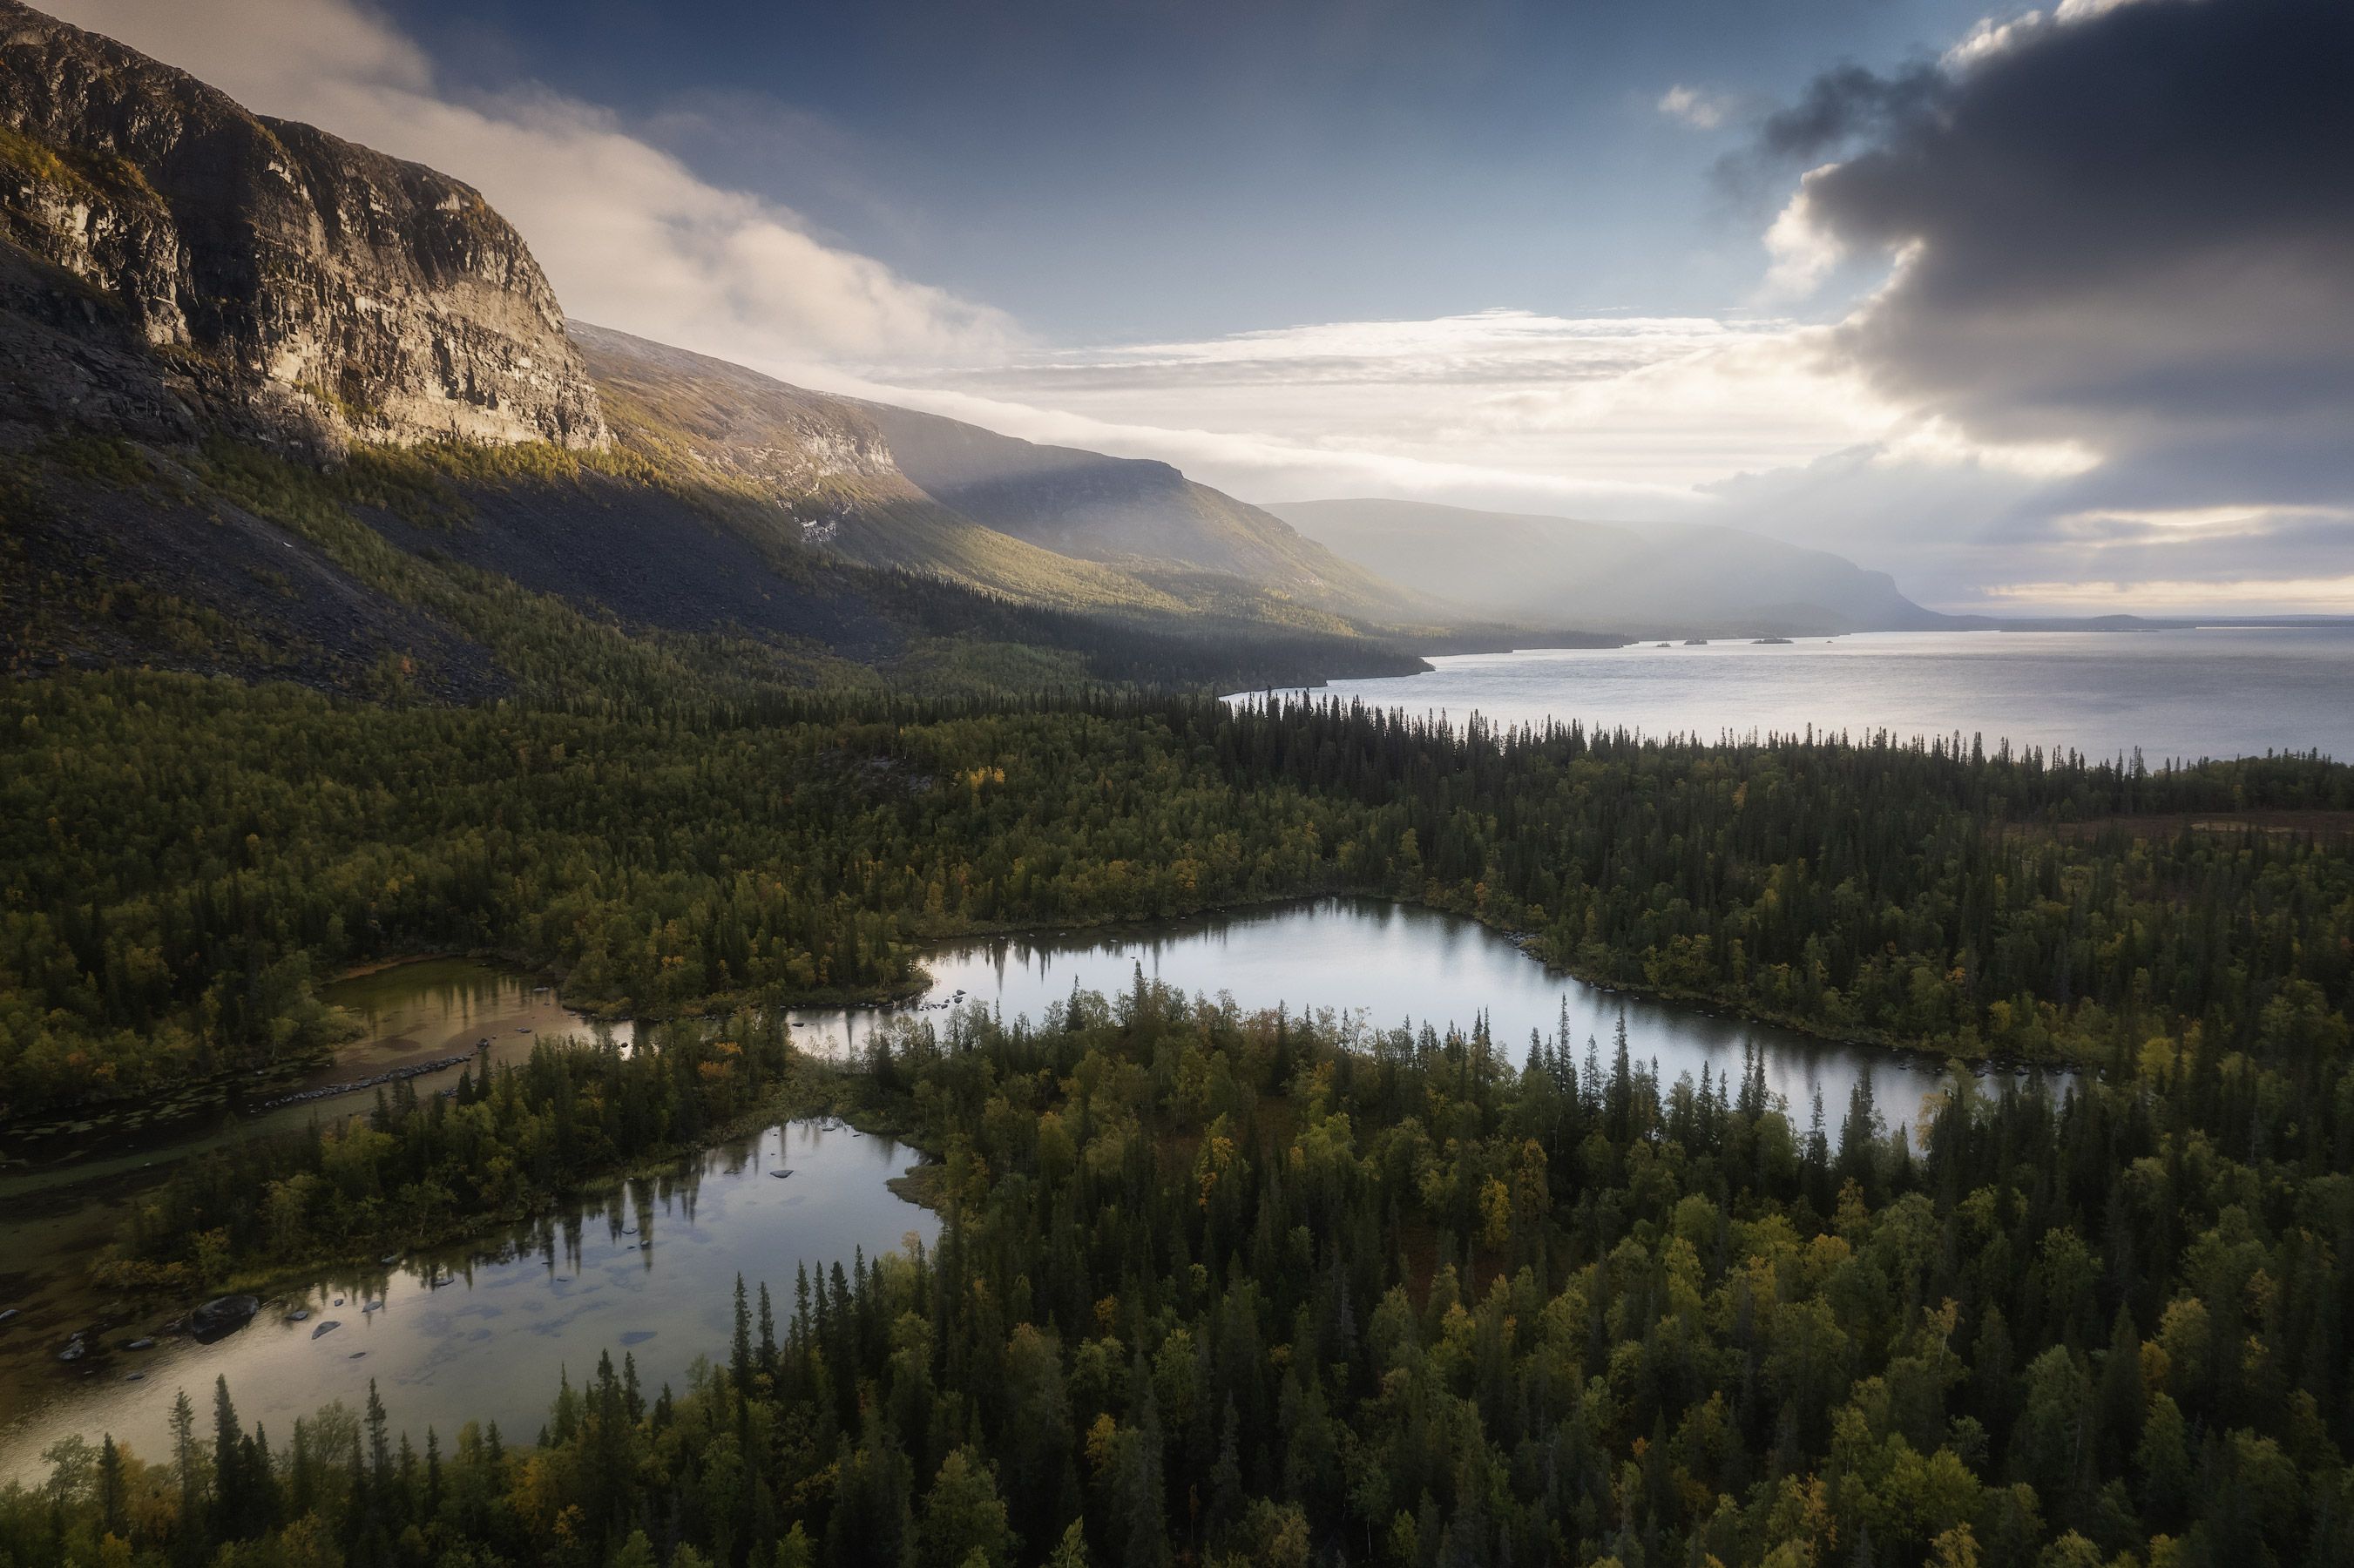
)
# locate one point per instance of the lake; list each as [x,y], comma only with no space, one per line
[650,1270]
[1384,964]
[2183,694]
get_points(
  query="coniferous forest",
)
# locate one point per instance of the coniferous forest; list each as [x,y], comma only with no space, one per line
[183,861]
[1228,1289]
[1223,1289]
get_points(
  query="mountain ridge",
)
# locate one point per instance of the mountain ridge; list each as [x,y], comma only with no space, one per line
[1139,514]
[828,469]
[275,406]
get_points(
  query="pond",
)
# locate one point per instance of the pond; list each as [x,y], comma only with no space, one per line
[650,1270]
[1387,964]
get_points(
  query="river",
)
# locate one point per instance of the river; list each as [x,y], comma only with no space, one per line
[650,1270]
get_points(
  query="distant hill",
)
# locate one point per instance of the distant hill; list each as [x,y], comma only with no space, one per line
[1130,511]
[1648,582]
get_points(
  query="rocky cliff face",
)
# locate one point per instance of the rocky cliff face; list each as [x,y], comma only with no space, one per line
[169,261]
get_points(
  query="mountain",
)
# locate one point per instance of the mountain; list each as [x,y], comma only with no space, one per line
[1134,512]
[823,469]
[1655,580]
[276,406]
[169,261]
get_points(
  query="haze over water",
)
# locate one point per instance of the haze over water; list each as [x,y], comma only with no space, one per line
[2181,695]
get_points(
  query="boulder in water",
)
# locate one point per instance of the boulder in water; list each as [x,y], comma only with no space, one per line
[222,1315]
[329,1327]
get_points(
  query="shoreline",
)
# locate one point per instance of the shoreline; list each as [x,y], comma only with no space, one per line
[887,997]
[134,1302]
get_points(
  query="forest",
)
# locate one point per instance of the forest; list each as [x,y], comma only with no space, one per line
[1213,1288]
[1216,1288]
[184,862]
[503,1143]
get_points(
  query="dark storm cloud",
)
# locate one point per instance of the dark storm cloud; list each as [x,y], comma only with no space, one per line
[1847,102]
[2134,229]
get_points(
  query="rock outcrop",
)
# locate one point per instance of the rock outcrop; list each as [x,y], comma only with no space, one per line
[171,263]
[221,1316]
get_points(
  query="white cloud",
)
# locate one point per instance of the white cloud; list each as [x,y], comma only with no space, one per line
[1696,107]
[628,234]
[2192,596]
[1989,37]
[1622,417]
[1937,442]
[2204,518]
[1804,252]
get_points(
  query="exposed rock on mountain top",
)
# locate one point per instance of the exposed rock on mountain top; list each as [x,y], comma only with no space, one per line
[170,263]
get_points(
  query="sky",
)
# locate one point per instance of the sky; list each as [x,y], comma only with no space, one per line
[2042,310]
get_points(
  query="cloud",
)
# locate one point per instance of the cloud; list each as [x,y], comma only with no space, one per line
[1844,103]
[1610,414]
[1696,106]
[2136,227]
[1805,251]
[628,234]
[1967,534]
[2122,229]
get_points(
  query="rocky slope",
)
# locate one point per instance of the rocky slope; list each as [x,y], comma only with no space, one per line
[170,263]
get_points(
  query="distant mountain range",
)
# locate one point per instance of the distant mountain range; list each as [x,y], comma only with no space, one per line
[1657,580]
[275,404]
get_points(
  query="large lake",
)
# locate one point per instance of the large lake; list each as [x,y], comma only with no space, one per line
[2183,694]
[650,1270]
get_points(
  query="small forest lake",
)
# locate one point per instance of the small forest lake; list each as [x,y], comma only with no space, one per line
[649,1267]
[482,1331]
